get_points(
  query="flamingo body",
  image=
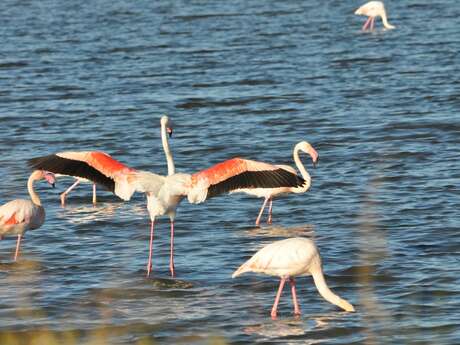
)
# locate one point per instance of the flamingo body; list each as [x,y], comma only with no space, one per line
[373,9]
[19,216]
[291,258]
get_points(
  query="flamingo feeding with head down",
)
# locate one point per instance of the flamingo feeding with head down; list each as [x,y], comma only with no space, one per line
[18,216]
[373,9]
[164,193]
[269,193]
[288,259]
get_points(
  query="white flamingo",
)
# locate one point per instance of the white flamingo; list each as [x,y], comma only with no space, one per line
[373,9]
[18,216]
[288,259]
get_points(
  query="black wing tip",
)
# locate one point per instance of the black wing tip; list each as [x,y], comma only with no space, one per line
[257,179]
[71,167]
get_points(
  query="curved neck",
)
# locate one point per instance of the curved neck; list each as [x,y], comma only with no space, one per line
[385,22]
[303,171]
[322,287]
[317,273]
[169,157]
[30,188]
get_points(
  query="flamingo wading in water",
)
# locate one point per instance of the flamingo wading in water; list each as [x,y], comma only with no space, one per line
[164,193]
[18,216]
[269,193]
[288,259]
[373,9]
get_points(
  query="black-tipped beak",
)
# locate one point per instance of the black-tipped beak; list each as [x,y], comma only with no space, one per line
[170,131]
[53,185]
[315,163]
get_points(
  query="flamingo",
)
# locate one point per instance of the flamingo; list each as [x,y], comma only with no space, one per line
[373,9]
[18,216]
[287,259]
[164,193]
[269,193]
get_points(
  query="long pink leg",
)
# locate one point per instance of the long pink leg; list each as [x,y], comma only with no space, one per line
[372,24]
[63,195]
[261,211]
[270,207]
[294,297]
[149,264]
[94,194]
[277,299]
[366,23]
[171,256]
[17,247]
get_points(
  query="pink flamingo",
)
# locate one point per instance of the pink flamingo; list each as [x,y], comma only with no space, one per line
[373,9]
[164,193]
[270,193]
[288,259]
[18,216]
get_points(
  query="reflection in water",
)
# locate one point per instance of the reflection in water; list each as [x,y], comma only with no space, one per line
[277,329]
[81,214]
[297,326]
[305,230]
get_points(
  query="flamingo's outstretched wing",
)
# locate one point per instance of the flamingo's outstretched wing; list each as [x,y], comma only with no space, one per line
[238,173]
[96,166]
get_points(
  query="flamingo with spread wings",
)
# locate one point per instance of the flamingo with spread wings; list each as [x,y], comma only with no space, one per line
[164,193]
[18,216]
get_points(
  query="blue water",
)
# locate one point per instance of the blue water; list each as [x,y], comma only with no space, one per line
[243,79]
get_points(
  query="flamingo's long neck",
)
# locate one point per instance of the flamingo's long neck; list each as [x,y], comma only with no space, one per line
[168,154]
[30,188]
[323,289]
[300,166]
[385,21]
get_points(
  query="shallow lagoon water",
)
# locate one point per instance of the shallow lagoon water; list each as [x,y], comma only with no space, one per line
[238,79]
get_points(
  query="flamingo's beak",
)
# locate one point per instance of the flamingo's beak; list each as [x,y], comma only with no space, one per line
[50,178]
[315,163]
[170,131]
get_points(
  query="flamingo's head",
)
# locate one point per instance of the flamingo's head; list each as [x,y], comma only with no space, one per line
[167,123]
[43,174]
[307,148]
[50,178]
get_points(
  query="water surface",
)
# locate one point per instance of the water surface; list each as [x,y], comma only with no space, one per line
[238,79]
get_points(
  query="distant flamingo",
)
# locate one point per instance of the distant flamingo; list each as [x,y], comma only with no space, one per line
[164,193]
[18,216]
[373,9]
[269,193]
[287,259]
